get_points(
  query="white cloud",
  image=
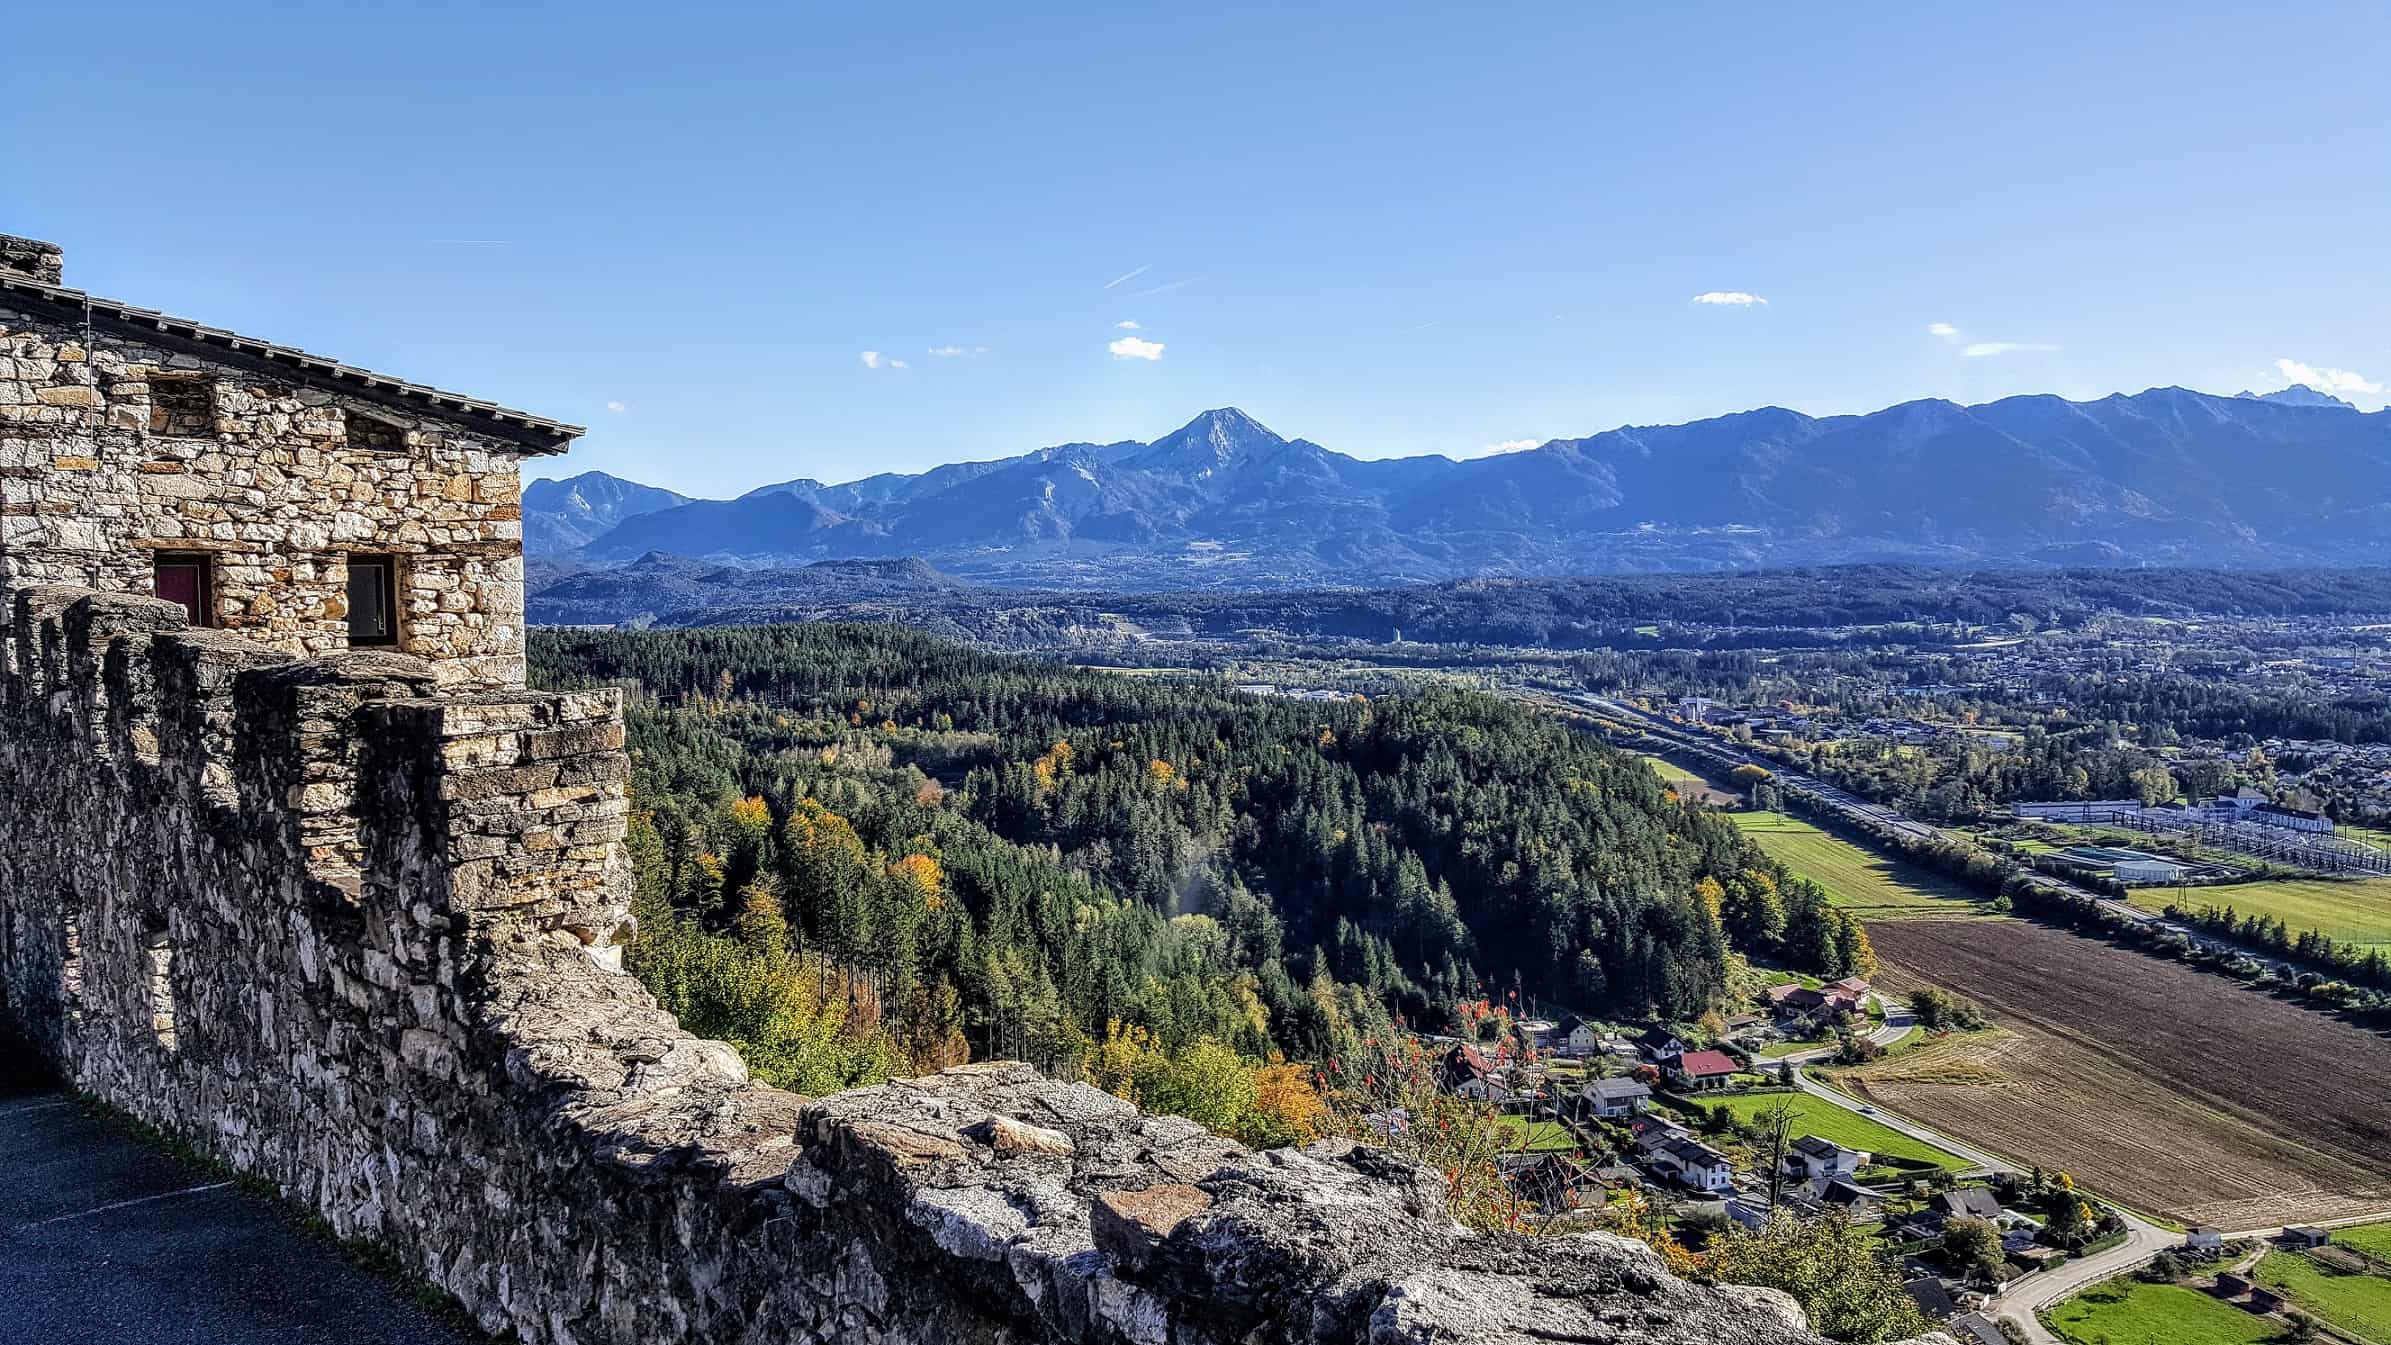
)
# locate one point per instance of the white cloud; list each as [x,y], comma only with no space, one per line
[618,407]
[873,359]
[957,352]
[1942,329]
[1729,298]
[1978,350]
[1124,326]
[1121,280]
[1508,446]
[2326,380]
[1131,348]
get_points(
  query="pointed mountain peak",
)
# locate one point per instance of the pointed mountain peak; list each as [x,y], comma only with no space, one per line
[1211,440]
[1227,430]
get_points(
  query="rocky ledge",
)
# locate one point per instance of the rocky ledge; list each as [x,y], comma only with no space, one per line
[1106,1224]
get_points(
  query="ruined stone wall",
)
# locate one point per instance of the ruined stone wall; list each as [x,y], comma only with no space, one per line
[359,939]
[115,448]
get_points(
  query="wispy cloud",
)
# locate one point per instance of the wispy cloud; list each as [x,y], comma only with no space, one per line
[1508,446]
[1117,281]
[873,359]
[1134,348]
[1977,350]
[1729,298]
[1433,322]
[1124,326]
[1164,288]
[618,407]
[957,352]
[1942,329]
[2326,380]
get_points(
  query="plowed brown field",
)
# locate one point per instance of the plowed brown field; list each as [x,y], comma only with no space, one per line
[2173,1090]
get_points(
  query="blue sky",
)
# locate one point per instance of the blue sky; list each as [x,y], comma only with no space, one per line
[1388,229]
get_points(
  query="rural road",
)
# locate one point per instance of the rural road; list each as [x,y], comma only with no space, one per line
[2024,1298]
[1898,1019]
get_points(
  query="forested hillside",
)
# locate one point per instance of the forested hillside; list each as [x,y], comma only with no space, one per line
[860,849]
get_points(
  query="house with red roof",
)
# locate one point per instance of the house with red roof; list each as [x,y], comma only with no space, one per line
[1701,1069]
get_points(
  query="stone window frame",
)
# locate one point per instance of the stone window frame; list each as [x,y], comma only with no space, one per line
[202,561]
[388,562]
[182,406]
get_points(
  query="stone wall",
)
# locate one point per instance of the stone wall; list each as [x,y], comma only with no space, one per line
[115,446]
[359,939]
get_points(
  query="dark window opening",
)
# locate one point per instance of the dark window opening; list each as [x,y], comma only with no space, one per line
[373,600]
[188,577]
[375,436]
[183,408]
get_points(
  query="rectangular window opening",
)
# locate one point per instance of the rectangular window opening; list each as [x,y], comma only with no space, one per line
[373,601]
[375,436]
[183,408]
[188,578]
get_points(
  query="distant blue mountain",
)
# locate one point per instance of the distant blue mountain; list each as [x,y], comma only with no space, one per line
[561,516]
[2168,475]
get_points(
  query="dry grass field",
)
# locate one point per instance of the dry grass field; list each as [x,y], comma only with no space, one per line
[2176,1092]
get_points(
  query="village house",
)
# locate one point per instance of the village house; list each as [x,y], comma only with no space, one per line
[1694,1163]
[1617,1097]
[1575,1036]
[1813,1159]
[307,504]
[1701,1069]
[2306,1237]
[1654,1132]
[1794,1002]
[1658,1043]
[2204,1239]
[1466,1074]
[1969,1202]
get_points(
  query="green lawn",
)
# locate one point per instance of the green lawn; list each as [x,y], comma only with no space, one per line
[2129,1312]
[1874,886]
[2356,912]
[1672,772]
[1816,1116]
[1541,1136]
[2357,1304]
[2372,1239]
[1776,1050]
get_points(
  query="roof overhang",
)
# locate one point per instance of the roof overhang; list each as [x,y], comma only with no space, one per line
[529,434]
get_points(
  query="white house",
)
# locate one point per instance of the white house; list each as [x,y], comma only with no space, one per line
[1811,1159]
[1617,1097]
[1576,1036]
[1696,1164]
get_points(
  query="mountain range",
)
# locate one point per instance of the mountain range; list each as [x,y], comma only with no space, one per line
[2165,476]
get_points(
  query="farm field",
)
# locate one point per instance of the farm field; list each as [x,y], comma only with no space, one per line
[1872,885]
[1690,785]
[2170,1090]
[2357,1304]
[2372,1239]
[1815,1116]
[2129,1310]
[2352,912]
